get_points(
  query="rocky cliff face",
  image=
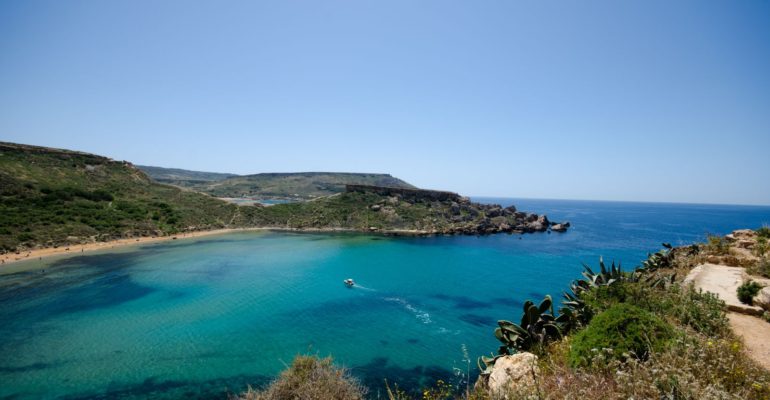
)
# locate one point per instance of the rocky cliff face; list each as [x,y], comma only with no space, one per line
[451,213]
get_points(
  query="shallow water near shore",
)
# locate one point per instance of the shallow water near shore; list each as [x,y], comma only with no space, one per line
[203,317]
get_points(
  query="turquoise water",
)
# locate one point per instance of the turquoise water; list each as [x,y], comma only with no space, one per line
[201,318]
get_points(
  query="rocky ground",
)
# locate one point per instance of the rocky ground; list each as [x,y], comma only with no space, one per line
[729,263]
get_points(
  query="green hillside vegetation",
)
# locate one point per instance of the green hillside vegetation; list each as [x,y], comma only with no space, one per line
[350,211]
[182,177]
[52,197]
[286,186]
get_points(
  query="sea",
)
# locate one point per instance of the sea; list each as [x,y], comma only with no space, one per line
[207,317]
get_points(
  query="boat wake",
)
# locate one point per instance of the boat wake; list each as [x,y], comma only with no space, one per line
[421,315]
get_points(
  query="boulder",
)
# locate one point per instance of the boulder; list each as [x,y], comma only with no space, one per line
[512,377]
[376,207]
[743,234]
[762,299]
[559,228]
[494,212]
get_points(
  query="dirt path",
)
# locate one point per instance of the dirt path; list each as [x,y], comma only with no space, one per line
[723,281]
[756,336]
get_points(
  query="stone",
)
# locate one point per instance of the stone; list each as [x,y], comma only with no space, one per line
[376,207]
[743,234]
[512,377]
[559,228]
[494,212]
[762,299]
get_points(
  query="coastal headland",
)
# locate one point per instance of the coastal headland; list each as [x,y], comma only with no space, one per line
[54,199]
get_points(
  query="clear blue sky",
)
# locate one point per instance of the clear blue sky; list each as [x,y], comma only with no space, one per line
[616,100]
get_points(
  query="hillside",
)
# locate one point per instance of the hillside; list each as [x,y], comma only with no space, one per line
[182,177]
[53,197]
[384,209]
[287,186]
[300,185]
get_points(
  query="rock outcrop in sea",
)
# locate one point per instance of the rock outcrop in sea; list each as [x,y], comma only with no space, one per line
[458,214]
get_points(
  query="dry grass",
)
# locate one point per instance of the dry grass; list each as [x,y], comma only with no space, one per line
[693,368]
[310,378]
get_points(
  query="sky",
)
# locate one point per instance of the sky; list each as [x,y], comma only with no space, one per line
[612,100]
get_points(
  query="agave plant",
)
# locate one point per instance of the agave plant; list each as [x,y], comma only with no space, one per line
[605,277]
[575,313]
[660,281]
[539,326]
[660,260]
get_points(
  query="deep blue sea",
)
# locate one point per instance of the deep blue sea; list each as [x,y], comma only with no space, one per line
[200,318]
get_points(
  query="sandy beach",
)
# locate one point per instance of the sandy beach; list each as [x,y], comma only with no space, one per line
[39,254]
[10,258]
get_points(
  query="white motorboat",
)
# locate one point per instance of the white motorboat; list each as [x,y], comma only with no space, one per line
[349,282]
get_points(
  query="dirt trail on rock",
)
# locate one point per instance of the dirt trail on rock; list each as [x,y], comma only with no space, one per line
[755,333]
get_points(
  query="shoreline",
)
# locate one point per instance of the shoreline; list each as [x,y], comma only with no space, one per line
[46,252]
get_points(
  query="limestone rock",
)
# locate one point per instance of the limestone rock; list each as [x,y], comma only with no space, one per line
[559,227]
[513,377]
[744,234]
[762,299]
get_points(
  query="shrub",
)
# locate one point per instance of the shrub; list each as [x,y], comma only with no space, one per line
[691,367]
[747,291]
[718,245]
[25,237]
[311,378]
[628,331]
[763,267]
[761,247]
[764,232]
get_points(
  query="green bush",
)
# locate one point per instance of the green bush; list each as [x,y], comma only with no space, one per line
[26,237]
[747,291]
[764,232]
[628,331]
